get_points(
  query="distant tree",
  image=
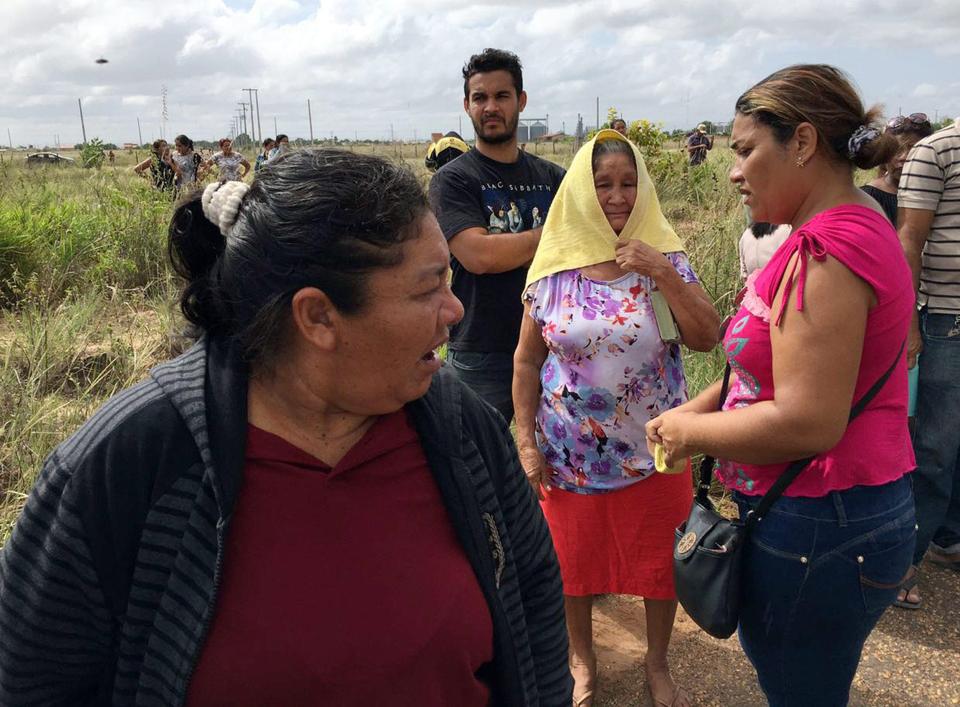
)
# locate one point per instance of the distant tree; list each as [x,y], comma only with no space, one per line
[649,137]
[942,123]
[612,115]
[92,154]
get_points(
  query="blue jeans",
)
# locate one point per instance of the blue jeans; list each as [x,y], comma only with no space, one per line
[818,573]
[488,374]
[936,435]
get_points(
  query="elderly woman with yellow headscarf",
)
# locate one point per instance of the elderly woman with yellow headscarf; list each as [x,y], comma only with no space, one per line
[599,357]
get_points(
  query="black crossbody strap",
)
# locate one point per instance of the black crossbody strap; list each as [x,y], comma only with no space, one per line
[792,471]
[707,463]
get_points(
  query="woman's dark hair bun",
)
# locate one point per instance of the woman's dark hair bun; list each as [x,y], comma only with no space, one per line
[194,246]
[881,149]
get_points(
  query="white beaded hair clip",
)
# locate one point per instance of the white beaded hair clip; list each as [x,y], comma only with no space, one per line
[221,203]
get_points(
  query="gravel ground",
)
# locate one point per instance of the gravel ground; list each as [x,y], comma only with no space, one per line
[912,659]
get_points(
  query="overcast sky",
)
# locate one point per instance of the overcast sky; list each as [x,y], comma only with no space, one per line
[367,65]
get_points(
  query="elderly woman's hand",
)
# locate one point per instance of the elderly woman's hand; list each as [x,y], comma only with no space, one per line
[670,430]
[641,258]
[535,467]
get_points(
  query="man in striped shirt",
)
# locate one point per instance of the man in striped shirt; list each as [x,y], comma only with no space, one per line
[929,218]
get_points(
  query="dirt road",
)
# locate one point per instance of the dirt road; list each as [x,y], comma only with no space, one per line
[912,659]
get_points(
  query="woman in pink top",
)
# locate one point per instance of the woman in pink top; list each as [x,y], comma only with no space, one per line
[819,325]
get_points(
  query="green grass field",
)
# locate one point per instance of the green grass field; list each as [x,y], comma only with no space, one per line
[88,302]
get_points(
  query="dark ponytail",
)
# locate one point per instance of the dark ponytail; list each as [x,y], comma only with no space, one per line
[194,247]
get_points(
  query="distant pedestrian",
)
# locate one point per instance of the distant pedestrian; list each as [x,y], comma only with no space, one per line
[697,145]
[446,149]
[908,129]
[111,157]
[620,125]
[264,154]
[228,162]
[185,162]
[159,164]
[929,224]
[280,147]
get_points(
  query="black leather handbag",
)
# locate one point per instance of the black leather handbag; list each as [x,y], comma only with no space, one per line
[708,548]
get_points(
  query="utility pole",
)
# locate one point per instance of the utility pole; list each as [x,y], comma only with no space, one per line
[276,130]
[256,92]
[139,132]
[258,138]
[163,112]
[83,128]
[598,112]
[310,120]
[9,139]
[460,125]
[243,107]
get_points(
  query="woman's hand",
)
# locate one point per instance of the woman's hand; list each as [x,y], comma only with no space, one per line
[670,430]
[641,258]
[535,467]
[914,341]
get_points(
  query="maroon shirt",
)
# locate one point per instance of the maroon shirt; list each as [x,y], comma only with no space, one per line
[344,586]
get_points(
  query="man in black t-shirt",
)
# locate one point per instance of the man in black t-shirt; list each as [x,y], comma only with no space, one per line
[491,203]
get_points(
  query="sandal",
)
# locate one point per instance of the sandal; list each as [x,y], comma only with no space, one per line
[586,697]
[906,586]
[677,694]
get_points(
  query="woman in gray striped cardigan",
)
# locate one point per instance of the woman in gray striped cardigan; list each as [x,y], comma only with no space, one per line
[303,508]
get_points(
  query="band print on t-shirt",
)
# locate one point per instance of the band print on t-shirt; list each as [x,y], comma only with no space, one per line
[514,208]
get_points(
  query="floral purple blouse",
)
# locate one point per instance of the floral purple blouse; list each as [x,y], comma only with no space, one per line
[607,373]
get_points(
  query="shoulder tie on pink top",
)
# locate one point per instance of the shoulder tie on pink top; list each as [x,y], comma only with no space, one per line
[808,245]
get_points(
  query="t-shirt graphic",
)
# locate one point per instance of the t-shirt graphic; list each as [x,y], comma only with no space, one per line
[474,191]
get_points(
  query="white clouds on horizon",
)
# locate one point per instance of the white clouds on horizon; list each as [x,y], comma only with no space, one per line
[367,64]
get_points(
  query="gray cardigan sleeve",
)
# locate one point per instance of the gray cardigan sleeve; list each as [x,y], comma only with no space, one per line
[57,632]
[541,589]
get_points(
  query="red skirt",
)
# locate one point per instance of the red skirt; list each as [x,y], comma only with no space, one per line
[620,542]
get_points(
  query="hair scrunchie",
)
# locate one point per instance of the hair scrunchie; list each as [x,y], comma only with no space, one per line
[859,138]
[221,203]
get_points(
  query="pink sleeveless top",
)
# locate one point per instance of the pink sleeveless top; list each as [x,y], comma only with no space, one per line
[876,447]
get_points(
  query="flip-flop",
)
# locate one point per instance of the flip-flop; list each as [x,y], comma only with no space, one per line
[587,695]
[906,586]
[673,701]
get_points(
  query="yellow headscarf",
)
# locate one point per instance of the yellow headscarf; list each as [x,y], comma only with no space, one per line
[577,234]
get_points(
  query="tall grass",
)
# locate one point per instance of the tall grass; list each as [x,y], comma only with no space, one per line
[87,300]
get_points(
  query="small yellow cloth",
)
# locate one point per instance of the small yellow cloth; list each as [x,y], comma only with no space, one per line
[577,234]
[660,462]
[450,141]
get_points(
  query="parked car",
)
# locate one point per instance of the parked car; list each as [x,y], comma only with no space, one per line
[41,158]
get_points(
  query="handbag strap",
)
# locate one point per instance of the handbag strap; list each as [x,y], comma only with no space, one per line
[707,463]
[792,471]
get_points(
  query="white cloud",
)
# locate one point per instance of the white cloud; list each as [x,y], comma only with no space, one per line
[367,64]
